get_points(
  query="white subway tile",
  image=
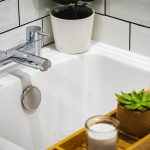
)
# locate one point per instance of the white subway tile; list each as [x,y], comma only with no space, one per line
[140,40]
[98,6]
[48,29]
[137,11]
[33,9]
[8,15]
[16,36]
[111,31]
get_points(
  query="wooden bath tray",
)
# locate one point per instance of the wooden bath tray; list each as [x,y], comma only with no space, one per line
[77,141]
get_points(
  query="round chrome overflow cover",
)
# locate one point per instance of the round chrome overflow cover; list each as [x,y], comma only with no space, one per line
[31,99]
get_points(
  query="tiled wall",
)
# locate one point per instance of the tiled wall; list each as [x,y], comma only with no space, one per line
[16,15]
[122,23]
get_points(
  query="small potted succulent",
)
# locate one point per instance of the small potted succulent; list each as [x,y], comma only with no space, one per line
[133,112]
[72,24]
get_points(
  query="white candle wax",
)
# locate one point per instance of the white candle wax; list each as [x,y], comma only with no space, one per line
[102,137]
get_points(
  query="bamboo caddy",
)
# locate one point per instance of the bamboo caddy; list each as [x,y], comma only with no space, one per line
[77,141]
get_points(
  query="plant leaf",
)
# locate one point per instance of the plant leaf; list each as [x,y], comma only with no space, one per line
[118,96]
[141,108]
[135,100]
[146,97]
[146,104]
[132,106]
[126,96]
[134,96]
[137,97]
[140,95]
[124,101]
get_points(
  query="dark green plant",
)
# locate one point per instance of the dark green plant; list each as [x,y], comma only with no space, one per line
[135,100]
[74,3]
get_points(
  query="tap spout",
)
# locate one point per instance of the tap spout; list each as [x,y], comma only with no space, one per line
[27,53]
[31,60]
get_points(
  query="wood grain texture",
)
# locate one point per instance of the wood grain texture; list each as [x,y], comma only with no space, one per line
[77,141]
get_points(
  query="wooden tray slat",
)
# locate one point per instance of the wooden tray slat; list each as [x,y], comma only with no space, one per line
[123,144]
[143,144]
[77,141]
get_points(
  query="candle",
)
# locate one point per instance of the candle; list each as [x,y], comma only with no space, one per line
[102,133]
[102,137]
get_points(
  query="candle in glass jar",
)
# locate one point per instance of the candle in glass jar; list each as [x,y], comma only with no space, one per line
[102,136]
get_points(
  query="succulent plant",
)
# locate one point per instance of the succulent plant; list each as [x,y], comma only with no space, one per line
[139,101]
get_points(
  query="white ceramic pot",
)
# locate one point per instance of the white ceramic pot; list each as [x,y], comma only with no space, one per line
[72,36]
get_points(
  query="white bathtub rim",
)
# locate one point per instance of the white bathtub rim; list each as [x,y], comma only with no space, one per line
[101,49]
[97,49]
[123,56]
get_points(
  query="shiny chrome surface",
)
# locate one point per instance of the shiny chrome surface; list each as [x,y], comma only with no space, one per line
[28,53]
[35,35]
[31,99]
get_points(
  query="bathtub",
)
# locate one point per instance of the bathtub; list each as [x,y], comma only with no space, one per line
[73,89]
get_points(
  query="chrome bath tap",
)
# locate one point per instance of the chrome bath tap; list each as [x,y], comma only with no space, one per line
[29,53]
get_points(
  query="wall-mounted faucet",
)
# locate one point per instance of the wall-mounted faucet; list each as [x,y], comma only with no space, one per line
[29,53]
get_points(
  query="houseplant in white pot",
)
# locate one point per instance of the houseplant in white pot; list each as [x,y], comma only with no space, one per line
[72,25]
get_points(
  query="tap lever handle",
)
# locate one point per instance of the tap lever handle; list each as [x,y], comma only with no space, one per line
[34,33]
[44,34]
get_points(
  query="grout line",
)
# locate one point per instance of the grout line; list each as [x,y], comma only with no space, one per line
[123,20]
[129,36]
[43,36]
[112,17]
[42,24]
[140,25]
[105,7]
[49,44]
[19,12]
[46,16]
[10,29]
[23,24]
[34,20]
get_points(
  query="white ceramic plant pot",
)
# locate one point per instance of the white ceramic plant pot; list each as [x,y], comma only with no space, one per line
[72,36]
